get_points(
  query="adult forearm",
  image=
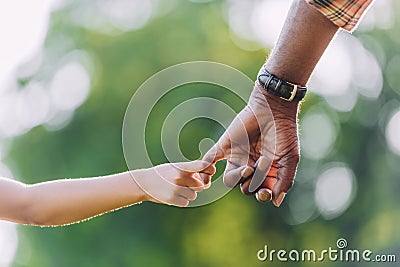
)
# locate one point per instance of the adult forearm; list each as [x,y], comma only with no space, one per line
[303,39]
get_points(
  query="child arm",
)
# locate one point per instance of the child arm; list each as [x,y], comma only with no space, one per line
[68,201]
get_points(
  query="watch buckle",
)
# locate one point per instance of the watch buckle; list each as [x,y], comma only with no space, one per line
[292,94]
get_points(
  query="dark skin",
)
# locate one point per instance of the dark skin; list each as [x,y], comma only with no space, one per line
[261,145]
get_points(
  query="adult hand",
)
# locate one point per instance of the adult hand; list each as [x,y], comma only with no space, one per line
[261,147]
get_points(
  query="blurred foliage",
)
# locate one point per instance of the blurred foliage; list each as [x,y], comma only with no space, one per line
[228,232]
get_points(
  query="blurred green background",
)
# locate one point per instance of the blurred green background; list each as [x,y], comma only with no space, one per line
[62,109]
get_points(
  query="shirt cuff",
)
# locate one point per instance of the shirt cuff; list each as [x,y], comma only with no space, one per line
[344,13]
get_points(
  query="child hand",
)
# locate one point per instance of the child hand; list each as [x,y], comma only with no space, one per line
[173,183]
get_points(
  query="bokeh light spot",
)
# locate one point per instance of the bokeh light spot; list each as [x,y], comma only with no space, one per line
[128,15]
[23,27]
[393,133]
[8,243]
[334,191]
[318,135]
[393,73]
[70,86]
[32,106]
[335,62]
[267,20]
[301,205]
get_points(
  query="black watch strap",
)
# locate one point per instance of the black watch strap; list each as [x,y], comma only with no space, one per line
[285,90]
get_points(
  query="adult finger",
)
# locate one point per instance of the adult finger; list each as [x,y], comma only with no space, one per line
[234,174]
[264,195]
[286,175]
[244,187]
[268,183]
[250,186]
[213,155]
[262,166]
[196,166]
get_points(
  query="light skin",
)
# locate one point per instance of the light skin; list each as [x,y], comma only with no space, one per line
[68,201]
[272,137]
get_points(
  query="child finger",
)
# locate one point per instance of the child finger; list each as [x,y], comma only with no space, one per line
[188,193]
[180,201]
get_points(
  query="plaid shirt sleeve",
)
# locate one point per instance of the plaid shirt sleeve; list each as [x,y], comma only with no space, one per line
[344,13]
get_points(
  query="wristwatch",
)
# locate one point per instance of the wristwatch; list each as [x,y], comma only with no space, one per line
[285,90]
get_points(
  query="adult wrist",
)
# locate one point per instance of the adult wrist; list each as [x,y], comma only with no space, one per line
[284,89]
